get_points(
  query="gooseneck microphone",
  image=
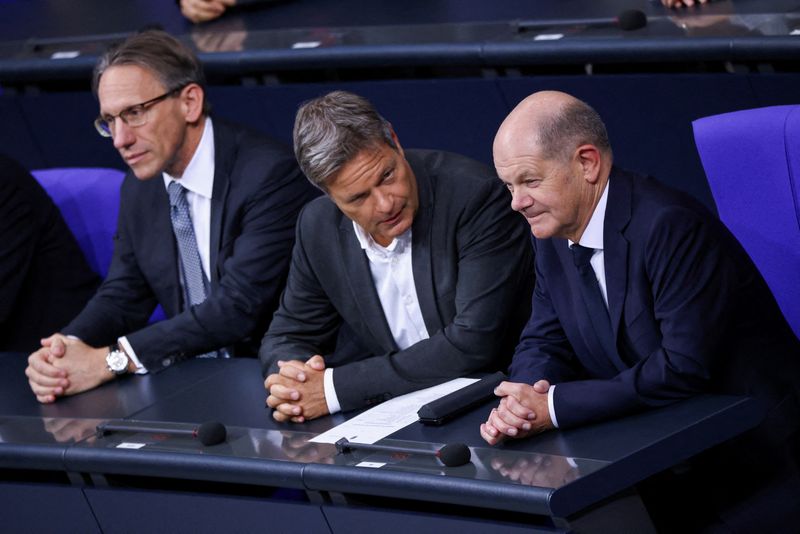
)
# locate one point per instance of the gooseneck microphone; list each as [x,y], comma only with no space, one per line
[208,433]
[451,455]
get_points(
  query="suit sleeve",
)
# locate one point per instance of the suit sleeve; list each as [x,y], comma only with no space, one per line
[18,237]
[494,263]
[543,352]
[306,322]
[693,280]
[124,301]
[252,275]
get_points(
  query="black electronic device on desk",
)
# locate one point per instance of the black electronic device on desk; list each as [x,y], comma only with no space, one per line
[460,401]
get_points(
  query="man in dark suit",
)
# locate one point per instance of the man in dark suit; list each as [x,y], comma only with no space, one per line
[642,296]
[410,261]
[205,228]
[44,277]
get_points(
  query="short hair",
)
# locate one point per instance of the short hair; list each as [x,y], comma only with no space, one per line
[171,62]
[330,130]
[575,124]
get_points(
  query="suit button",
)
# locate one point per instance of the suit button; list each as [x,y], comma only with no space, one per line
[166,362]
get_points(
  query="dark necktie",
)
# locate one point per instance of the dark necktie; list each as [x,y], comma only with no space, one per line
[595,305]
[195,283]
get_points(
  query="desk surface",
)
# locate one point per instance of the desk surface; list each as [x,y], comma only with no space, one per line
[562,474]
[42,38]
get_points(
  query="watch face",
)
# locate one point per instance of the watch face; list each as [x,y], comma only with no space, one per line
[117,361]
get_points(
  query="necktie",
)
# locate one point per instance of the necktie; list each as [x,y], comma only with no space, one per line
[194,280]
[595,305]
[195,283]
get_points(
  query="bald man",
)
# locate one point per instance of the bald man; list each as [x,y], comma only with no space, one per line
[642,297]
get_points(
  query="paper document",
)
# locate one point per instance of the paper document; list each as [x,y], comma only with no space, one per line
[390,416]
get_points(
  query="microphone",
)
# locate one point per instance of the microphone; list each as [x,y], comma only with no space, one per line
[208,433]
[451,455]
[628,20]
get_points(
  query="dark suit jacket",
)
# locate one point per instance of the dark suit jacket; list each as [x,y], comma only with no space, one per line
[690,313]
[44,277]
[258,192]
[473,273]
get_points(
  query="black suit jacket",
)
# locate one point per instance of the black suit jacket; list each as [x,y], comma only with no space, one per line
[44,277]
[690,314]
[472,270]
[258,192]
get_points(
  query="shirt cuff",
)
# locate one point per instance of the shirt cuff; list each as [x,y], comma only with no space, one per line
[330,393]
[140,369]
[550,407]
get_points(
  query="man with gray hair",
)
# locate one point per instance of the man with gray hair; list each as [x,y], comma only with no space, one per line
[205,227]
[409,272]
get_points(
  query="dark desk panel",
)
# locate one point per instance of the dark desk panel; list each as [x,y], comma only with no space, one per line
[339,34]
[580,478]
[116,399]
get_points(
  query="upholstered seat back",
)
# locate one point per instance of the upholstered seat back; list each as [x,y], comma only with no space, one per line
[752,161]
[89,202]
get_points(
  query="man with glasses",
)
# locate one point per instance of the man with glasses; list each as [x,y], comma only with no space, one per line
[205,228]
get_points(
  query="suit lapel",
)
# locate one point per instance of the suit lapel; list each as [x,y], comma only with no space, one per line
[224,153]
[164,244]
[361,285]
[618,214]
[421,246]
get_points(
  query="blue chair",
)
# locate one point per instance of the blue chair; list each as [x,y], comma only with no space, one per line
[752,162]
[89,202]
[88,199]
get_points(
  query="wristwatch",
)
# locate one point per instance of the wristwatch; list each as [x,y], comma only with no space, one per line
[117,361]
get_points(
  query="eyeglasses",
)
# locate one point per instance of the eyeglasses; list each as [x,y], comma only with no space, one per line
[134,116]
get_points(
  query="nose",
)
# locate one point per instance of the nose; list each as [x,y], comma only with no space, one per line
[383,201]
[520,200]
[122,134]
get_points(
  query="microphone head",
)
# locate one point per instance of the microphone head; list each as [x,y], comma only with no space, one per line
[211,433]
[454,454]
[632,19]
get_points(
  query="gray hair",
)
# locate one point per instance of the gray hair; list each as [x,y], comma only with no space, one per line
[575,124]
[171,62]
[330,130]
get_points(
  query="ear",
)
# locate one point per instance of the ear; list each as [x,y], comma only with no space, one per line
[589,158]
[396,141]
[192,98]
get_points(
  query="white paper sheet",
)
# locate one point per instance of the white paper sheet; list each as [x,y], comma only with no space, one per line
[390,416]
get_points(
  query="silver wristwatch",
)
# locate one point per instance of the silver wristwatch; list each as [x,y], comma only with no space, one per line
[117,361]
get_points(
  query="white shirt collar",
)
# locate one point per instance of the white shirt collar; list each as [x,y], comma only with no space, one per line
[366,241]
[199,174]
[593,235]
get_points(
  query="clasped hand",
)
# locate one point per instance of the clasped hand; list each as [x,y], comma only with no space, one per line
[297,390]
[65,366]
[522,412]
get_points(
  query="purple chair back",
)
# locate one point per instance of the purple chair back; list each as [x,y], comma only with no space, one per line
[752,161]
[89,202]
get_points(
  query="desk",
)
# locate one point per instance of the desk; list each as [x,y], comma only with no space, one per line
[585,484]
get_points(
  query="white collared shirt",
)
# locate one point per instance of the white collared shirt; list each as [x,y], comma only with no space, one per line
[198,179]
[592,238]
[393,277]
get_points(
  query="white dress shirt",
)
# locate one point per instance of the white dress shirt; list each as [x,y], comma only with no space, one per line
[394,282]
[198,180]
[592,238]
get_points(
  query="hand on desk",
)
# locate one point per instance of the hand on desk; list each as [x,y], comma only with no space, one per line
[681,3]
[65,366]
[297,391]
[204,10]
[522,412]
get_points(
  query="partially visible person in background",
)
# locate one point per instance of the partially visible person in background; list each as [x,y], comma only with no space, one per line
[205,10]
[44,277]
